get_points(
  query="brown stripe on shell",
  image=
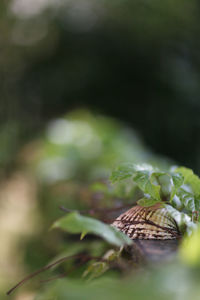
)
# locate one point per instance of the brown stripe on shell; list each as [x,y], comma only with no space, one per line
[147,223]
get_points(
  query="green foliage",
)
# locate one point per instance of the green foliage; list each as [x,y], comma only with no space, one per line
[183,220]
[74,158]
[72,163]
[143,175]
[145,181]
[190,179]
[187,199]
[75,223]
[164,282]
[82,146]
[166,187]
[122,172]
[179,188]
[35,48]
[177,180]
[189,194]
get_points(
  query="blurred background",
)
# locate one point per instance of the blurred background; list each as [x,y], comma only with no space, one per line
[86,84]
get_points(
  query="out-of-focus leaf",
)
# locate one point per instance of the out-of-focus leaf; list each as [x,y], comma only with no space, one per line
[96,269]
[111,255]
[124,171]
[190,178]
[169,281]
[75,223]
[99,187]
[190,249]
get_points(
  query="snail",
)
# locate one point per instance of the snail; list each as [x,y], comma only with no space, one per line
[148,223]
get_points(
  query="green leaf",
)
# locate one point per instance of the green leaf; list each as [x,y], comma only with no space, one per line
[197,203]
[143,175]
[145,181]
[76,223]
[183,220]
[187,199]
[190,178]
[146,202]
[95,270]
[177,179]
[124,171]
[190,202]
[83,234]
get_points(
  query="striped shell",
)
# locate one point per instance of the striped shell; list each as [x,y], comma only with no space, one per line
[148,223]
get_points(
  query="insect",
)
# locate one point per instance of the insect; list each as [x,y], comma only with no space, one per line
[148,223]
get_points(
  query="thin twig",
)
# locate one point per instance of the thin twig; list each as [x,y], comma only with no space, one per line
[54,278]
[83,260]
[45,268]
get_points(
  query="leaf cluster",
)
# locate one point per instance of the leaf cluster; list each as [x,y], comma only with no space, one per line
[178,187]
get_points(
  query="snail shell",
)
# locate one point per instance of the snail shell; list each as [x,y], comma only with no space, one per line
[148,223]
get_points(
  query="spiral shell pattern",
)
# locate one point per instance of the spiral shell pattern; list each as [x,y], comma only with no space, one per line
[148,223]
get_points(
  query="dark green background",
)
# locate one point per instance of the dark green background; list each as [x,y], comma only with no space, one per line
[138,61]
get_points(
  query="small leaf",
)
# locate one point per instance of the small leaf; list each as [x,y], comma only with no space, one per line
[95,270]
[190,178]
[144,180]
[146,202]
[187,199]
[98,268]
[177,179]
[76,223]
